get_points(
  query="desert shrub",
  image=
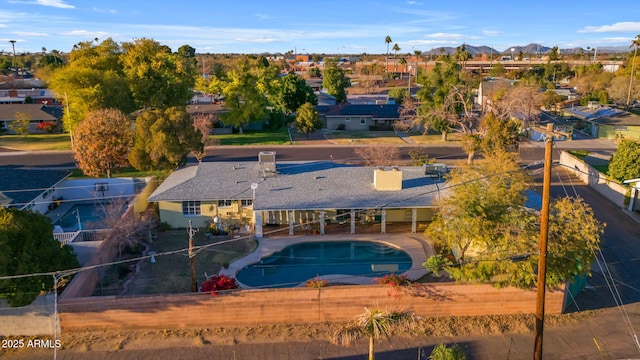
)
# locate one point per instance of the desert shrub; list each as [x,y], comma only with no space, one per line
[442,352]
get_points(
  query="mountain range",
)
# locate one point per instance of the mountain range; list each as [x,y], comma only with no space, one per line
[528,49]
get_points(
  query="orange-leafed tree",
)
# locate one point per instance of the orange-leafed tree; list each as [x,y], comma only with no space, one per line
[102,142]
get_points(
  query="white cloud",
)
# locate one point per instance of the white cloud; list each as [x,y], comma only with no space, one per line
[491,32]
[264,16]
[110,11]
[55,3]
[3,25]
[29,33]
[89,34]
[627,26]
[448,36]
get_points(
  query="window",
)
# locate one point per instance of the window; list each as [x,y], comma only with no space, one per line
[191,208]
[246,202]
[224,203]
[363,121]
[347,119]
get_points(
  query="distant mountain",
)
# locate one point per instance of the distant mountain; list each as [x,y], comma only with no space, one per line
[528,49]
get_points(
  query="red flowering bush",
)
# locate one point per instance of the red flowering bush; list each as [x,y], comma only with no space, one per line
[46,126]
[393,280]
[218,282]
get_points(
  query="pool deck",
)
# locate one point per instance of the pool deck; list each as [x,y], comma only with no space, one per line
[413,244]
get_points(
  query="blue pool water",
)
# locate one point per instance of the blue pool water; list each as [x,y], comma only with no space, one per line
[300,262]
[90,216]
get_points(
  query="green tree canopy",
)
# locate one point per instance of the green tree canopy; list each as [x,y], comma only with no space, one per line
[163,139]
[335,81]
[290,92]
[102,142]
[158,78]
[625,162]
[307,119]
[27,246]
[21,123]
[483,221]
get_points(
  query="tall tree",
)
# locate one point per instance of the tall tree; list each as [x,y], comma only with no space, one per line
[245,88]
[163,139]
[495,238]
[102,142]
[158,78]
[335,81]
[625,162]
[27,246]
[307,119]
[387,41]
[634,43]
[290,92]
[93,79]
[395,49]
[374,324]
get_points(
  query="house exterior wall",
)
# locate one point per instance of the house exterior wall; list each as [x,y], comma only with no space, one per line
[171,213]
[353,123]
[612,132]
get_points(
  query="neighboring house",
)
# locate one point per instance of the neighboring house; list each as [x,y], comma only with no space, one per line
[488,88]
[37,113]
[253,195]
[325,99]
[315,84]
[359,117]
[608,123]
[634,204]
[30,189]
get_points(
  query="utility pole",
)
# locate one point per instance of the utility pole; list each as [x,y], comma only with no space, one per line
[544,234]
[192,258]
[13,63]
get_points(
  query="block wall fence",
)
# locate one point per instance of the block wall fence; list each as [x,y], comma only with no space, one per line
[293,306]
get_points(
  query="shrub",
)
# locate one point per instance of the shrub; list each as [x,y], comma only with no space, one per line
[317,283]
[442,352]
[219,282]
[436,263]
[393,279]
[46,126]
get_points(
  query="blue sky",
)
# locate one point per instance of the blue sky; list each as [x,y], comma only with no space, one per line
[320,26]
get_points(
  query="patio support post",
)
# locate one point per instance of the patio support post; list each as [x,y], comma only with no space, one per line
[383,221]
[353,221]
[321,222]
[414,219]
[257,221]
[632,200]
[290,212]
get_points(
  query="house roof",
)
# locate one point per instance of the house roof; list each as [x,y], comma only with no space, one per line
[20,186]
[618,119]
[386,111]
[35,112]
[297,186]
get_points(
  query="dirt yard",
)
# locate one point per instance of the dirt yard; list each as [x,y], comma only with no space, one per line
[171,273]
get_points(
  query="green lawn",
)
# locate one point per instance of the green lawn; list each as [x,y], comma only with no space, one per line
[39,142]
[280,137]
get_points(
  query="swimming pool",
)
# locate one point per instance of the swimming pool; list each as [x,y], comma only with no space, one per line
[298,263]
[89,215]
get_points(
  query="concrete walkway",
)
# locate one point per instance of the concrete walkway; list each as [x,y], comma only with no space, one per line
[417,248]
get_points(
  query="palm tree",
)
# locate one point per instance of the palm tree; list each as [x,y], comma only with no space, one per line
[635,42]
[403,62]
[387,41]
[395,49]
[374,323]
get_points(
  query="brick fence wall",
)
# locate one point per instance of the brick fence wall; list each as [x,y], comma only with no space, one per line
[298,305]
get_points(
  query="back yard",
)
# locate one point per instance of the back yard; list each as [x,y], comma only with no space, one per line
[170,274]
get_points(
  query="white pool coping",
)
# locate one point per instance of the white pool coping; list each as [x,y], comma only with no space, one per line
[415,245]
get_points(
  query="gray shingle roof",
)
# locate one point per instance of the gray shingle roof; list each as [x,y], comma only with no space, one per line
[298,185]
[20,186]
